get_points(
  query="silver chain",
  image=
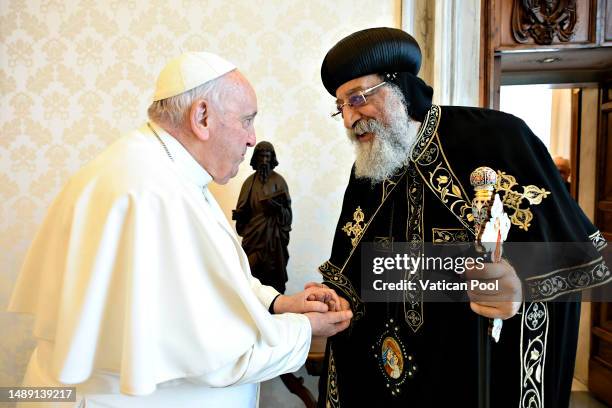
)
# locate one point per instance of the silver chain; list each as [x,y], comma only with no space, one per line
[160,141]
[170,156]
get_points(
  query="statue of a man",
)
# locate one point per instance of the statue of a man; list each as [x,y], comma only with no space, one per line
[263,218]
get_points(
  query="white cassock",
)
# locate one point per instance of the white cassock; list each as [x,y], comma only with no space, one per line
[142,294]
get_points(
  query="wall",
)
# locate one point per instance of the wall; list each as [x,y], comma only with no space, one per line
[561,123]
[74,74]
[531,103]
[449,35]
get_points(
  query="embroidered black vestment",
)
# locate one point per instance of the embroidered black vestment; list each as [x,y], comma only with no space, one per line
[417,354]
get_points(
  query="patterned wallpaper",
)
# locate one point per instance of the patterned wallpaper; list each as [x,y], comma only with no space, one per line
[74,74]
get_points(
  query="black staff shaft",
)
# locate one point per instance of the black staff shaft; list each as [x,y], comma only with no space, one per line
[484,362]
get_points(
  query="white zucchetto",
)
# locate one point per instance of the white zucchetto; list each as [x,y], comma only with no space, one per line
[189,70]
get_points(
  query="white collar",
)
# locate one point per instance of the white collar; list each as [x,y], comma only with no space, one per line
[185,162]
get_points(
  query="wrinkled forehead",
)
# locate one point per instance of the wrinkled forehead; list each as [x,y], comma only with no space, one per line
[355,85]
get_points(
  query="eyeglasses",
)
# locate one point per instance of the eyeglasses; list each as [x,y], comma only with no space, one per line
[356,100]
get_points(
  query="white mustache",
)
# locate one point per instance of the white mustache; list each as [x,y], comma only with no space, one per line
[366,126]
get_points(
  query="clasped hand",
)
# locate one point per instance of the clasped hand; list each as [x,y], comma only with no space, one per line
[328,313]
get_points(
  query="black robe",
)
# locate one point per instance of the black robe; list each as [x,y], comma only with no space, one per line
[429,200]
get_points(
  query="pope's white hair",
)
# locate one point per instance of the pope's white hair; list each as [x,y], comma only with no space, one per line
[174,110]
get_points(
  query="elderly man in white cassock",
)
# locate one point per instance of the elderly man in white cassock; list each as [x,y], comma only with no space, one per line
[141,292]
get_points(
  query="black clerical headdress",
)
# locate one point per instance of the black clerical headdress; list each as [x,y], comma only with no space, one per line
[381,51]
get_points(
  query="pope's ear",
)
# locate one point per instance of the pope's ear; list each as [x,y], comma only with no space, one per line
[199,119]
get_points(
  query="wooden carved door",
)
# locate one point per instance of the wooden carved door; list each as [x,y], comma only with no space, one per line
[600,362]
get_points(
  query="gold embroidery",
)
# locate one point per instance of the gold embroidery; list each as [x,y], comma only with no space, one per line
[333,398]
[415,197]
[392,187]
[442,181]
[426,132]
[413,299]
[430,154]
[355,229]
[445,185]
[387,187]
[443,235]
[332,274]
[433,166]
[512,199]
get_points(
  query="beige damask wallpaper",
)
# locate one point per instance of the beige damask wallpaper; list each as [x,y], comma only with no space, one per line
[74,74]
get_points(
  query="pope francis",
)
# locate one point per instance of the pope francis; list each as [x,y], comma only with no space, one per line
[141,292]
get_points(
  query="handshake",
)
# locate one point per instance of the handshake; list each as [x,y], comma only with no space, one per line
[328,313]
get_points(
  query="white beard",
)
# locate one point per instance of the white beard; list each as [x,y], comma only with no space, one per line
[392,144]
